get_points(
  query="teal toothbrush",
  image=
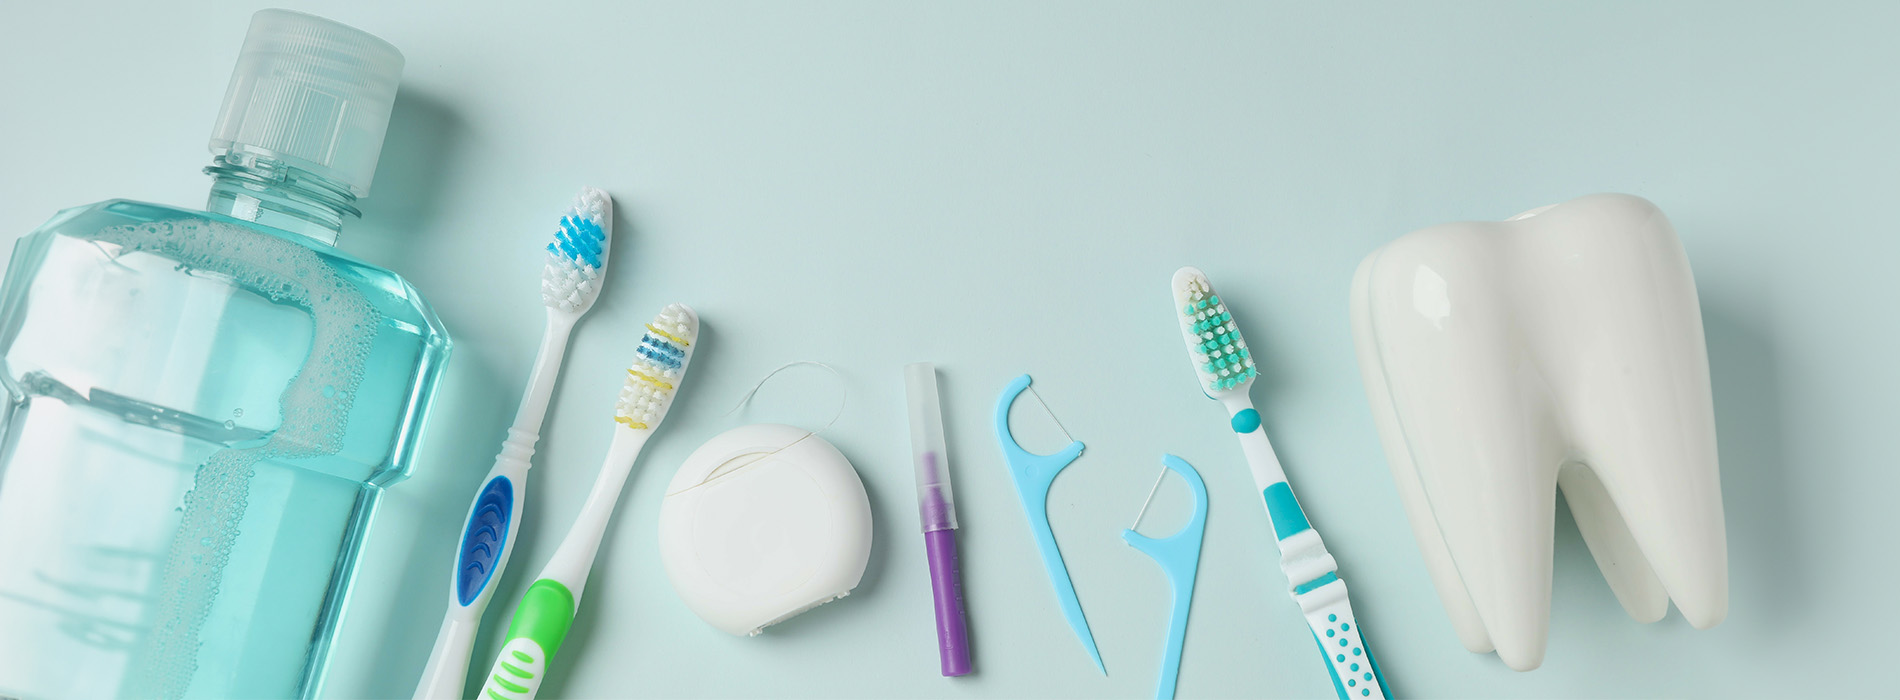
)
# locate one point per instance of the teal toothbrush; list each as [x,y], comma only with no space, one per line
[1226,369]
[547,610]
[1033,474]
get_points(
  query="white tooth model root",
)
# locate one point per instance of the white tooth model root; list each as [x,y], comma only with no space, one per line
[1560,349]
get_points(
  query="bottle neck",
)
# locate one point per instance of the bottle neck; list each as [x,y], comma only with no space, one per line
[271,193]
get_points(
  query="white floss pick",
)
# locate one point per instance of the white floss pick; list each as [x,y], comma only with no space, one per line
[764,522]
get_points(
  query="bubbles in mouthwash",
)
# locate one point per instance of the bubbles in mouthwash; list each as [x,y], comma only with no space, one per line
[315,407]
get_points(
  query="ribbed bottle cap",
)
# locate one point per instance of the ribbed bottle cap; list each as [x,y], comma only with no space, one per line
[312,93]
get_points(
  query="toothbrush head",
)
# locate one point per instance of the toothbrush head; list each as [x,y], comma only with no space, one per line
[570,281]
[656,372]
[1219,354]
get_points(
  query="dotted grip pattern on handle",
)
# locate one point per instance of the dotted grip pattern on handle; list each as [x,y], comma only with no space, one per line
[1314,577]
[1355,674]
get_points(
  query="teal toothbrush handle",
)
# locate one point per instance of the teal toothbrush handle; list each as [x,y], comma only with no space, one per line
[1314,577]
[1356,676]
[1310,569]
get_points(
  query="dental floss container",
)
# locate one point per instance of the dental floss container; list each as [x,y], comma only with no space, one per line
[761,523]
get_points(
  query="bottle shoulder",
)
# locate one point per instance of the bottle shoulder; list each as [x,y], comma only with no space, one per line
[196,238]
[89,220]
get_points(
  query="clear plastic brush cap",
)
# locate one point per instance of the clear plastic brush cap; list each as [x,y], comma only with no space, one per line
[934,499]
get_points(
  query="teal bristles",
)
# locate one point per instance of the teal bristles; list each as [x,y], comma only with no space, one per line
[1220,355]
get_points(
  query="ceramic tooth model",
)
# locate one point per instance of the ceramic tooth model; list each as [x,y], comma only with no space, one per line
[1562,348]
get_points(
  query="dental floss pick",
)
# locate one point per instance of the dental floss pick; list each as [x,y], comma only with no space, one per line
[1033,474]
[1179,556]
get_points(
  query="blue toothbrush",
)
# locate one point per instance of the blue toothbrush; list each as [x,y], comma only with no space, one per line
[1033,474]
[570,282]
[1226,370]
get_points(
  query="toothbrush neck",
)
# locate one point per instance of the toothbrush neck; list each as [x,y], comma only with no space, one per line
[275,194]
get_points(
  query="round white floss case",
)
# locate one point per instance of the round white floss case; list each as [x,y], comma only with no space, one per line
[761,523]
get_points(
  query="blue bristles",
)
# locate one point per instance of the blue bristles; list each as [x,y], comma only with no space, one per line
[578,239]
[660,352]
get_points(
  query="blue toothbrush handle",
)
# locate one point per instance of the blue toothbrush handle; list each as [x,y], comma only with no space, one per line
[488,536]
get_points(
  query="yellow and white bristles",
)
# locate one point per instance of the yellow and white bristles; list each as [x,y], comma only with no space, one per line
[658,365]
[549,607]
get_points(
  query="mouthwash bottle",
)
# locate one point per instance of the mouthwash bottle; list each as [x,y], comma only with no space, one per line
[202,407]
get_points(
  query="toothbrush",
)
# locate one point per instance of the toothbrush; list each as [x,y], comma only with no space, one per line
[548,608]
[1226,371]
[570,281]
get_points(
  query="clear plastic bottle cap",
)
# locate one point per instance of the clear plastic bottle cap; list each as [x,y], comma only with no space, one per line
[311,93]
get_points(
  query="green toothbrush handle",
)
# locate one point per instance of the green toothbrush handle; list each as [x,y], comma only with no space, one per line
[535,634]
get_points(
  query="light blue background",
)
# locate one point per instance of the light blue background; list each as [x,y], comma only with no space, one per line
[1006,188]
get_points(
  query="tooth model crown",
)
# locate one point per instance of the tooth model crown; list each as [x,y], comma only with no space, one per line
[1560,349]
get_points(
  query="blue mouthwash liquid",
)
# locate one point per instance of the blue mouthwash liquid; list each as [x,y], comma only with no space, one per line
[201,408]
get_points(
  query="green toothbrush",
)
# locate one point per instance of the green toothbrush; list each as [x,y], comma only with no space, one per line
[547,609]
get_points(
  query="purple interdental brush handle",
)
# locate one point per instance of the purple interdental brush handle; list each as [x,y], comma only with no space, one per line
[946,587]
[937,506]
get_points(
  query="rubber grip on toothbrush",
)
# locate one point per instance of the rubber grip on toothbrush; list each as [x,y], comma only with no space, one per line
[484,539]
[481,554]
[540,624]
[1343,646]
